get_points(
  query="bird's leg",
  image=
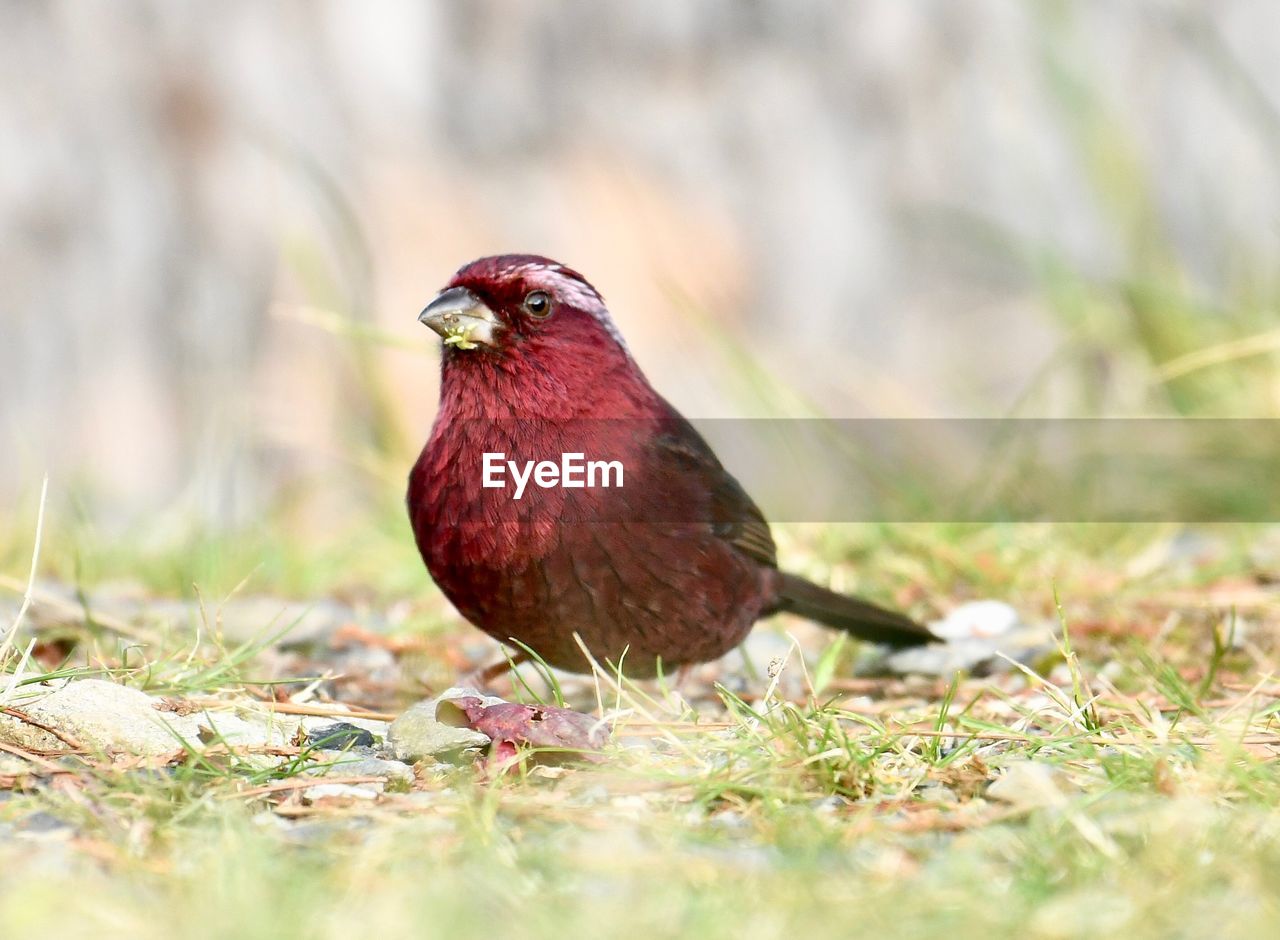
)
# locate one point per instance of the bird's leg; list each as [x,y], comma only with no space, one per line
[682,677]
[484,677]
[683,674]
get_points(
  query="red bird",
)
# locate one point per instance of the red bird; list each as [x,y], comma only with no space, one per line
[673,567]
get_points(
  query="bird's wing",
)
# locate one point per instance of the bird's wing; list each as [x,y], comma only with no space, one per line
[732,514]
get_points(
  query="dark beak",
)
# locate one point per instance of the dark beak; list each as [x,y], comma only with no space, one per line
[461,318]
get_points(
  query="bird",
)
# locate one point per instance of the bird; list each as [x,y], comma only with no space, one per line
[667,570]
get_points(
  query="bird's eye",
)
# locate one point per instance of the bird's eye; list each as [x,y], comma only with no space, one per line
[538,304]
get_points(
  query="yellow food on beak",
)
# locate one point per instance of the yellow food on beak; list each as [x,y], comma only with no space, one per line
[460,336]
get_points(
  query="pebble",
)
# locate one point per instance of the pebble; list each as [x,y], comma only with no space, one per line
[226,727]
[977,637]
[1264,554]
[313,723]
[342,791]
[977,619]
[41,822]
[936,793]
[1030,785]
[418,733]
[103,716]
[311,832]
[339,737]
[13,766]
[393,771]
[979,656]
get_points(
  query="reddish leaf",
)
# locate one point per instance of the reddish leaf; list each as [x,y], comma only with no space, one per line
[512,726]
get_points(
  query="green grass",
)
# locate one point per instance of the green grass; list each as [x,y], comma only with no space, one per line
[783,807]
[729,830]
[1181,868]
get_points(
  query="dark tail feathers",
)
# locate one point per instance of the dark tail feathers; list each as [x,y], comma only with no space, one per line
[858,618]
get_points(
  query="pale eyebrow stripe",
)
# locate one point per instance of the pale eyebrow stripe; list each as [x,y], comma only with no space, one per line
[579,293]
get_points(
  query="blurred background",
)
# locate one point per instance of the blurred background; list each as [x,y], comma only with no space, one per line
[219,224]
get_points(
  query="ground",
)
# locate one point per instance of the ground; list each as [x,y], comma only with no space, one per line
[1118,777]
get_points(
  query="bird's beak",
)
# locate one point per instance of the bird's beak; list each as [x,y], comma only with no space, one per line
[461,318]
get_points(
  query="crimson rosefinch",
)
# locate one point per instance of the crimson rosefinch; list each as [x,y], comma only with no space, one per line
[670,564]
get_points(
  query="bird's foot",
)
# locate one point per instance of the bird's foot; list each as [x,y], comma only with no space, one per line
[485,677]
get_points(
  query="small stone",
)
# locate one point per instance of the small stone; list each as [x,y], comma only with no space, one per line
[1030,785]
[221,727]
[1185,552]
[418,733]
[102,716]
[42,822]
[342,792]
[13,766]
[339,737]
[975,655]
[829,804]
[728,819]
[936,793]
[390,770]
[977,619]
[461,691]
[312,723]
[1264,554]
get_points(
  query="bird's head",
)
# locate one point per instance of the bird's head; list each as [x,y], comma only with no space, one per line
[517,305]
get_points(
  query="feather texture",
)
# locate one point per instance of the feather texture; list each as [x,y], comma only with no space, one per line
[673,567]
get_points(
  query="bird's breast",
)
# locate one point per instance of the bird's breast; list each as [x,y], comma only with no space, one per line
[617,566]
[494,492]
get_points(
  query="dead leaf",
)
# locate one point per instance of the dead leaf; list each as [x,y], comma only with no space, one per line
[556,733]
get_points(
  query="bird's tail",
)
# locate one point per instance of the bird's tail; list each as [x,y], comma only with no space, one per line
[858,618]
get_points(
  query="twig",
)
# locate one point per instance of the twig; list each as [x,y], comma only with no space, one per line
[293,708]
[36,758]
[22,716]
